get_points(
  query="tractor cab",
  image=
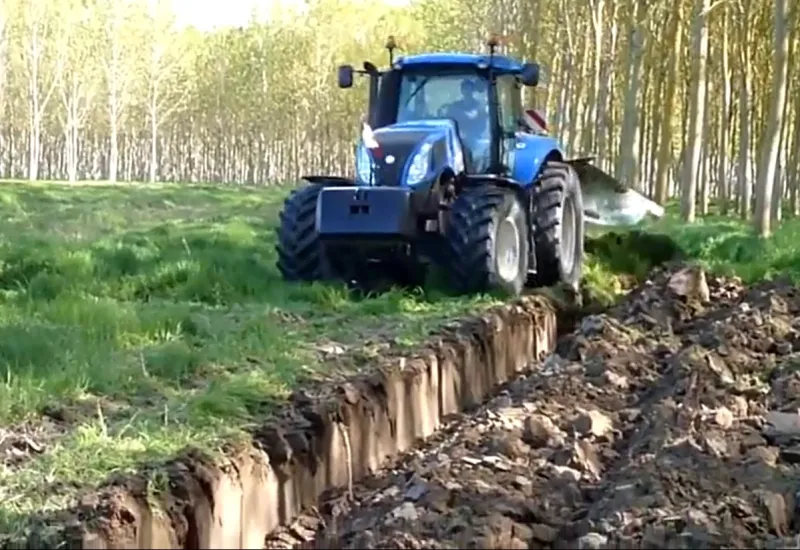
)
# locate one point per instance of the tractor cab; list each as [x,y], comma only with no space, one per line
[477,95]
[445,93]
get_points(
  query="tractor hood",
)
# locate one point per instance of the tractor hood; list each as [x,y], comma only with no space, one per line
[426,128]
[407,154]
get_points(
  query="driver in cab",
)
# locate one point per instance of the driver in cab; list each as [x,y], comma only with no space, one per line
[468,110]
[471,113]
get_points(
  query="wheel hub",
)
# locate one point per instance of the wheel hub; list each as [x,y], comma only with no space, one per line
[508,247]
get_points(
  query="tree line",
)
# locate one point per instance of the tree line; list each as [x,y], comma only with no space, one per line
[696,98]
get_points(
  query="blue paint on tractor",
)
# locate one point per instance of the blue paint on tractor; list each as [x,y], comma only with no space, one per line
[438,130]
[501,64]
[530,153]
[526,153]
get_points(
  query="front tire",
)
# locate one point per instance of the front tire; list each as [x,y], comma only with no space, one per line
[300,254]
[487,240]
[558,226]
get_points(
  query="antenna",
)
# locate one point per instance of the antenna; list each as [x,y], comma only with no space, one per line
[492,42]
[391,45]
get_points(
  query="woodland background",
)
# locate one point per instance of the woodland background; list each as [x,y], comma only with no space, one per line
[691,98]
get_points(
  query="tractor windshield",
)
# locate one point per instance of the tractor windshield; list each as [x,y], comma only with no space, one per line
[461,96]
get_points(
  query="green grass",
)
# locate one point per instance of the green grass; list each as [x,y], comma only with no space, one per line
[728,246]
[151,317]
[722,244]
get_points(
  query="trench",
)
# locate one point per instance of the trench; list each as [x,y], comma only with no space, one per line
[340,514]
[323,527]
[668,421]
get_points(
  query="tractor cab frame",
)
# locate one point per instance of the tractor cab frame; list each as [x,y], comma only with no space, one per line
[501,77]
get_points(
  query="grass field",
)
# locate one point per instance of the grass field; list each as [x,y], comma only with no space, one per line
[729,246]
[135,320]
[722,244]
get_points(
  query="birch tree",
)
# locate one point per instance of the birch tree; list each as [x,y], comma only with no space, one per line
[77,80]
[768,155]
[4,63]
[167,58]
[674,36]
[725,113]
[119,64]
[745,86]
[591,133]
[42,60]
[696,109]
[628,150]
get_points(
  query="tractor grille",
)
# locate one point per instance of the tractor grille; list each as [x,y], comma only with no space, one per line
[400,145]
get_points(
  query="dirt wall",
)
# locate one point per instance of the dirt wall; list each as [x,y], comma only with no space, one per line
[327,437]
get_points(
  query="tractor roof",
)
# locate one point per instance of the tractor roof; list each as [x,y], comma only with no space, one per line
[500,63]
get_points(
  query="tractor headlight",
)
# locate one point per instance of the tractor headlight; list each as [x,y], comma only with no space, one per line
[364,164]
[420,165]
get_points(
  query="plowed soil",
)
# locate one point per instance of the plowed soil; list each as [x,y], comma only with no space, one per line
[670,421]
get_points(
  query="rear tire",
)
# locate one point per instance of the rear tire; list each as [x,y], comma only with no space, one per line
[558,226]
[300,254]
[487,238]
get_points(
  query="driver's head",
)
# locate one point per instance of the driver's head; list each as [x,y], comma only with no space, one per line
[470,87]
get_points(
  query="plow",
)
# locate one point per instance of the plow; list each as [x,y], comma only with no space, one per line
[451,170]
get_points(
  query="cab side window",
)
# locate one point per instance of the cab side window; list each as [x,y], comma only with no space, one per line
[507,98]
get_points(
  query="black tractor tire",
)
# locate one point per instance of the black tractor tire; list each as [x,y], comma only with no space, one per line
[300,253]
[487,240]
[558,226]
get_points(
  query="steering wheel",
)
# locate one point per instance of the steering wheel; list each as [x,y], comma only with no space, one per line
[441,112]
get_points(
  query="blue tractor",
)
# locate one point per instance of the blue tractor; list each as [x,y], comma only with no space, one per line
[447,173]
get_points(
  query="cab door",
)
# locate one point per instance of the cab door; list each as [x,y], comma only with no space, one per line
[510,106]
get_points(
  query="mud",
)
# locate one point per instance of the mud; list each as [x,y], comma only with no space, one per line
[23,441]
[669,421]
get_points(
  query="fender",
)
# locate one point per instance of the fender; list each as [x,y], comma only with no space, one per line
[472,180]
[531,153]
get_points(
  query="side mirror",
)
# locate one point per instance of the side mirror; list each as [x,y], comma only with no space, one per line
[370,68]
[530,74]
[345,76]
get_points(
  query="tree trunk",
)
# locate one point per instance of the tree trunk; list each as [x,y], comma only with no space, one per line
[628,154]
[794,163]
[113,150]
[696,111]
[154,136]
[665,142]
[704,182]
[591,135]
[723,174]
[769,146]
[603,128]
[35,139]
